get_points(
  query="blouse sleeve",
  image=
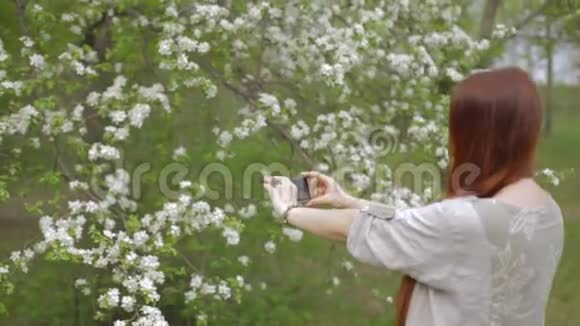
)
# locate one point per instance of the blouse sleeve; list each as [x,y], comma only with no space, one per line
[420,242]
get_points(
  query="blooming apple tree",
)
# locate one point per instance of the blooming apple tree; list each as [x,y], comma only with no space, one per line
[343,83]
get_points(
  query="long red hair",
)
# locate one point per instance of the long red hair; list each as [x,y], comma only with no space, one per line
[494,127]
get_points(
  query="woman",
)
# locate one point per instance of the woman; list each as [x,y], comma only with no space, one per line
[487,255]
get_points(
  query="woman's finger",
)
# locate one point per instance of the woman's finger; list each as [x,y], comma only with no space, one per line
[317,182]
[279,188]
[277,185]
[322,178]
[294,192]
[274,196]
[322,200]
[273,191]
[287,189]
[313,186]
[313,174]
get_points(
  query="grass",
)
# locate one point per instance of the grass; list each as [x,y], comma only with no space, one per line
[565,298]
[560,151]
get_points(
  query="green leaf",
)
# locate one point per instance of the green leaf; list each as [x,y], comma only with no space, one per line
[34,208]
[4,193]
[133,223]
[51,178]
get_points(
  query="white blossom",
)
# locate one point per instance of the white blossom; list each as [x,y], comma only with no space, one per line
[347,265]
[37,61]
[224,291]
[225,138]
[118,116]
[76,184]
[128,303]
[185,184]
[270,247]
[27,41]
[83,286]
[138,114]
[165,47]
[110,299]
[151,316]
[552,176]
[248,211]
[232,236]
[118,183]
[106,152]
[211,91]
[179,152]
[196,281]
[454,74]
[78,113]
[271,102]
[201,318]
[293,234]
[244,260]
[335,281]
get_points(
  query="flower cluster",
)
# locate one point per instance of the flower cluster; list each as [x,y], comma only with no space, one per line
[372,81]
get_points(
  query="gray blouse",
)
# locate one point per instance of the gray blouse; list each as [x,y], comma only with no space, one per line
[477,261]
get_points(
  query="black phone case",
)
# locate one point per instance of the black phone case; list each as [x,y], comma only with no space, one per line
[303,189]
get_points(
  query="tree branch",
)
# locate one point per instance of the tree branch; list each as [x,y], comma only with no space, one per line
[62,168]
[252,102]
[21,12]
[188,262]
[533,15]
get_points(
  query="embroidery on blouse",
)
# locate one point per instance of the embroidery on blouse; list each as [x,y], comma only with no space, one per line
[512,272]
[510,275]
[526,222]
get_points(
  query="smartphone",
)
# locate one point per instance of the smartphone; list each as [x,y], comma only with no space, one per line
[303,189]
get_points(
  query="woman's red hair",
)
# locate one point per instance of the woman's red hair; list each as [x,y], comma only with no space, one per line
[494,127]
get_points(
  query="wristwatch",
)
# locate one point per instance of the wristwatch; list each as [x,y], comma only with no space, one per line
[285,214]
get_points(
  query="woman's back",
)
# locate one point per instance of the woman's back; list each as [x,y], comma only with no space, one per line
[525,258]
[477,261]
[508,256]
[525,249]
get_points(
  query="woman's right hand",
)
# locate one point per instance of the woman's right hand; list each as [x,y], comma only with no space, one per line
[325,191]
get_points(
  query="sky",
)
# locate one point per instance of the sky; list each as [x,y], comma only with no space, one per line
[566,60]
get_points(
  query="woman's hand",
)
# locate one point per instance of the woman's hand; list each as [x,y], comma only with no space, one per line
[332,224]
[283,193]
[324,190]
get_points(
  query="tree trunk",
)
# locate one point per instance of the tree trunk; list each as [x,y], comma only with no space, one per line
[488,18]
[549,79]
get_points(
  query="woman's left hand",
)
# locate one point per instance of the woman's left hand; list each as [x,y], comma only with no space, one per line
[282,191]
